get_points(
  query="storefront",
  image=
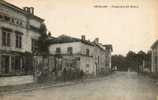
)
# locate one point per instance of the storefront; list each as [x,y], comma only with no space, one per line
[15,63]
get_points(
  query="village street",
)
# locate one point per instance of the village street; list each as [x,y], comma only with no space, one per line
[118,86]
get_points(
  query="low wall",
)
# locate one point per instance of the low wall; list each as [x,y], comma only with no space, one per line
[16,80]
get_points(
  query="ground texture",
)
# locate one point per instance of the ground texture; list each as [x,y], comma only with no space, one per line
[118,86]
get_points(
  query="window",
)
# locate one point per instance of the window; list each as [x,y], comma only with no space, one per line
[18,39]
[1,16]
[12,20]
[5,38]
[17,63]
[21,23]
[98,59]
[58,50]
[6,18]
[69,50]
[17,22]
[5,64]
[87,52]
[34,45]
[13,63]
[87,68]
[155,60]
[33,28]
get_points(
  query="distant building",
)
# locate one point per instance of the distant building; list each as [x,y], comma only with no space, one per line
[154,60]
[91,57]
[109,50]
[19,32]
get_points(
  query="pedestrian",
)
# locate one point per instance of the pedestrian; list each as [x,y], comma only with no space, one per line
[81,75]
[64,74]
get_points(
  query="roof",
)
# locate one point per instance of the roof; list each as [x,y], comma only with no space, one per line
[68,39]
[99,46]
[19,10]
[108,46]
[154,44]
[63,39]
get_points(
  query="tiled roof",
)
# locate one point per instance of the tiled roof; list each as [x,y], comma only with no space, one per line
[68,39]
[99,46]
[63,39]
[108,46]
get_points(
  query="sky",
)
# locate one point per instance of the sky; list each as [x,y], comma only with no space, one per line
[125,28]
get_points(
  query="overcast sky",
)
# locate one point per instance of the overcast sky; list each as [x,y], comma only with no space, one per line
[125,28]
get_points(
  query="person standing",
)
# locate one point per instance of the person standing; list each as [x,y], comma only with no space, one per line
[81,75]
[64,74]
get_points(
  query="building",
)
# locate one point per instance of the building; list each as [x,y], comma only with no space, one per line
[108,50]
[91,57]
[19,32]
[154,58]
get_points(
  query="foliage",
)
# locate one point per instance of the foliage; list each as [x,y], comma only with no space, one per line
[120,62]
[132,60]
[43,43]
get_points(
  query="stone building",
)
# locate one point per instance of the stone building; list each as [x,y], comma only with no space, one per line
[154,58]
[91,57]
[19,32]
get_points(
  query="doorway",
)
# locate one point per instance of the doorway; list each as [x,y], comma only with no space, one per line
[5,64]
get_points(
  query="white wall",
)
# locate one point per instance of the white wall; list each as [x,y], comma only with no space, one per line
[88,59]
[154,64]
[75,45]
[91,60]
[35,23]
[12,13]
[27,36]
[78,48]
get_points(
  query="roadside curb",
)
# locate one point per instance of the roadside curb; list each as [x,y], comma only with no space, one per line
[37,88]
[62,84]
[50,85]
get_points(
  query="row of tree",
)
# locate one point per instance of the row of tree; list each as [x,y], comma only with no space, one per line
[131,61]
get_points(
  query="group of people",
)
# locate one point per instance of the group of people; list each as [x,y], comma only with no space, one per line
[65,73]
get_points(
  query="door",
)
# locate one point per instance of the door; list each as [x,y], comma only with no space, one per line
[5,64]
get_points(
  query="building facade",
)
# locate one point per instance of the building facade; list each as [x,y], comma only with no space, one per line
[19,32]
[154,58]
[91,57]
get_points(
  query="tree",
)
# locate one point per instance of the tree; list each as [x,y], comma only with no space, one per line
[43,43]
[148,56]
[131,60]
[141,55]
[120,62]
[42,73]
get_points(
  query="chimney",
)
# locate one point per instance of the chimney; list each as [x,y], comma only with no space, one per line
[96,40]
[29,10]
[32,10]
[49,33]
[83,37]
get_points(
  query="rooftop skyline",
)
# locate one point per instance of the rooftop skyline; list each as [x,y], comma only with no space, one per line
[125,28]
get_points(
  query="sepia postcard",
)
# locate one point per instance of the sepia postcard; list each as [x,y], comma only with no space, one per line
[78,49]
